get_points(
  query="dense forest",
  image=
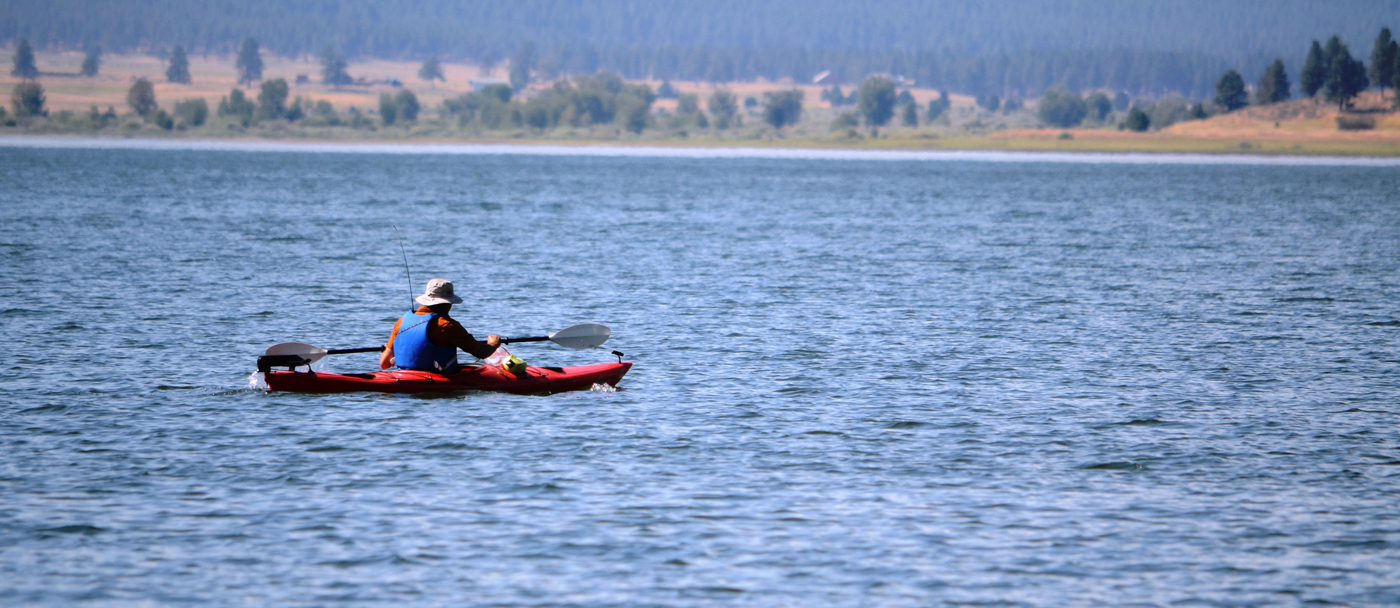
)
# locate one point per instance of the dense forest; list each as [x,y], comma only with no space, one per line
[1006,47]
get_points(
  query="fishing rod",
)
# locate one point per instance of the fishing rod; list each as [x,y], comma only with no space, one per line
[411,300]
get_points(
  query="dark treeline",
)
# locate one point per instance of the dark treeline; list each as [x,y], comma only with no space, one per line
[1004,47]
[1236,31]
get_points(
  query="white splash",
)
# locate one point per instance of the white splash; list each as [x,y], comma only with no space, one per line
[256,382]
[603,388]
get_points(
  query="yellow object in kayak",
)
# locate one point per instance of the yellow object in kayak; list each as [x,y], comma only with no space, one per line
[514,365]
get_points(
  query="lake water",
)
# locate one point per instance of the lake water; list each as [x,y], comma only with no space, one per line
[859,381]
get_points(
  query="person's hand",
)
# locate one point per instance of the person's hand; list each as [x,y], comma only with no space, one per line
[493,340]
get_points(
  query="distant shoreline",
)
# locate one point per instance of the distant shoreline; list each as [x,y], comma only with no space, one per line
[1296,128]
[699,150]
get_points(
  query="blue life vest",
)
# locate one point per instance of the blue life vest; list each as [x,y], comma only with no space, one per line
[413,350]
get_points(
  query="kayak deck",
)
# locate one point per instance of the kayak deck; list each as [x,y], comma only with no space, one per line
[534,381]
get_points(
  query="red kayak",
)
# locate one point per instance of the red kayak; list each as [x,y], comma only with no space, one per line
[534,380]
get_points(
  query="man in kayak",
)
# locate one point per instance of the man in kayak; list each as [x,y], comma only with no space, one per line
[427,339]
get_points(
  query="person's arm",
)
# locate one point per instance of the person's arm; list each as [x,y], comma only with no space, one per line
[386,358]
[448,332]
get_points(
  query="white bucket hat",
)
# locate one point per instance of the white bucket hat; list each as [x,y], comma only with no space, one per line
[439,291]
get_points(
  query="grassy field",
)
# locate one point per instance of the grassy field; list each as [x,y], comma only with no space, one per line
[1300,127]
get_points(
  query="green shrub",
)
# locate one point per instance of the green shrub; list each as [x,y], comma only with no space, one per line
[193,112]
[845,120]
[142,98]
[1098,105]
[723,106]
[272,99]
[781,108]
[1061,108]
[237,105]
[162,119]
[688,103]
[407,104]
[1137,120]
[875,100]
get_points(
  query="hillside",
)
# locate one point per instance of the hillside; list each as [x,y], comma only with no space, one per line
[976,46]
[1295,127]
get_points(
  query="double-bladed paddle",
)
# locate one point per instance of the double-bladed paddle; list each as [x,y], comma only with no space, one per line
[577,337]
[292,354]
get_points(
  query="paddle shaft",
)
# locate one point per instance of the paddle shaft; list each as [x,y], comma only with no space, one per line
[346,351]
[376,349]
[267,362]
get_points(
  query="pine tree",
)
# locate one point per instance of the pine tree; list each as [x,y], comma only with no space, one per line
[911,115]
[1229,91]
[333,68]
[179,70]
[388,109]
[431,70]
[24,62]
[936,107]
[250,63]
[1273,85]
[1346,77]
[1314,71]
[1395,78]
[92,61]
[1383,60]
[521,64]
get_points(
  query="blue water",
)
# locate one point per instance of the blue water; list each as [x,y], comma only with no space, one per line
[858,382]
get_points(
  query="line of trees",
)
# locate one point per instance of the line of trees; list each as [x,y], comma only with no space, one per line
[1329,69]
[582,101]
[1332,70]
[604,97]
[1021,74]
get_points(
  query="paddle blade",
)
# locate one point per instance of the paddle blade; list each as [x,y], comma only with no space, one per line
[581,336]
[300,349]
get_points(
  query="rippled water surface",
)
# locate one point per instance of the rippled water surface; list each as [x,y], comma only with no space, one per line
[857,382]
